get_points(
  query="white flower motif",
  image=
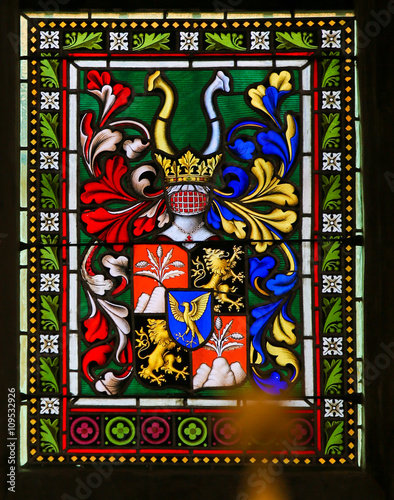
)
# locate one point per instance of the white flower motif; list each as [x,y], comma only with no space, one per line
[259,40]
[49,221]
[331,99]
[49,282]
[332,161]
[332,284]
[118,41]
[330,39]
[49,40]
[333,408]
[49,100]
[332,346]
[49,405]
[189,40]
[49,343]
[332,223]
[49,159]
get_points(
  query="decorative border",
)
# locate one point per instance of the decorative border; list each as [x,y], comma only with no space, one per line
[45,156]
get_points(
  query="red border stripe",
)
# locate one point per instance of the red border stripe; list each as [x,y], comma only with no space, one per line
[316,251]
[298,411]
[316,273]
[171,54]
[315,74]
[64,119]
[317,326]
[303,452]
[96,410]
[215,411]
[64,193]
[164,411]
[316,141]
[164,451]
[64,297]
[76,54]
[118,451]
[217,452]
[64,73]
[64,167]
[317,186]
[318,372]
[64,348]
[318,429]
[64,218]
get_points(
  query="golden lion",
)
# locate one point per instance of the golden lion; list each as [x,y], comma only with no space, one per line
[160,358]
[220,265]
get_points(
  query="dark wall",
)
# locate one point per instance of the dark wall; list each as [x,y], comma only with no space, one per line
[376,73]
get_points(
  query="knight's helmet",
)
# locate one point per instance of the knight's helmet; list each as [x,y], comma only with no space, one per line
[187,174]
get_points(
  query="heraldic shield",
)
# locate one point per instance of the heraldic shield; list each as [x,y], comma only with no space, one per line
[190,317]
[189,335]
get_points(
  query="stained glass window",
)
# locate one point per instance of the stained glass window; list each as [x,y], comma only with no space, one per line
[191,214]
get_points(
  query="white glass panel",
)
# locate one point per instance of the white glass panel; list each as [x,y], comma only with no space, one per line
[290,63]
[24,35]
[23,116]
[73,77]
[161,402]
[73,122]
[306,123]
[307,306]
[23,70]
[309,374]
[144,64]
[72,181]
[23,179]
[105,402]
[211,402]
[306,185]
[23,227]
[74,383]
[73,301]
[23,364]
[306,78]
[23,435]
[23,302]
[90,64]
[256,64]
[211,64]
[73,351]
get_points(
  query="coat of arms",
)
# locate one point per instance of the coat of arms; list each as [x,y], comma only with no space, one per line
[182,235]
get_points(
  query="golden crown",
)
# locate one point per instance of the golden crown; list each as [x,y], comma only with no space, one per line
[188,167]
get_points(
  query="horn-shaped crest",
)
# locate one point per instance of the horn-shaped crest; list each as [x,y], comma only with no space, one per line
[187,166]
